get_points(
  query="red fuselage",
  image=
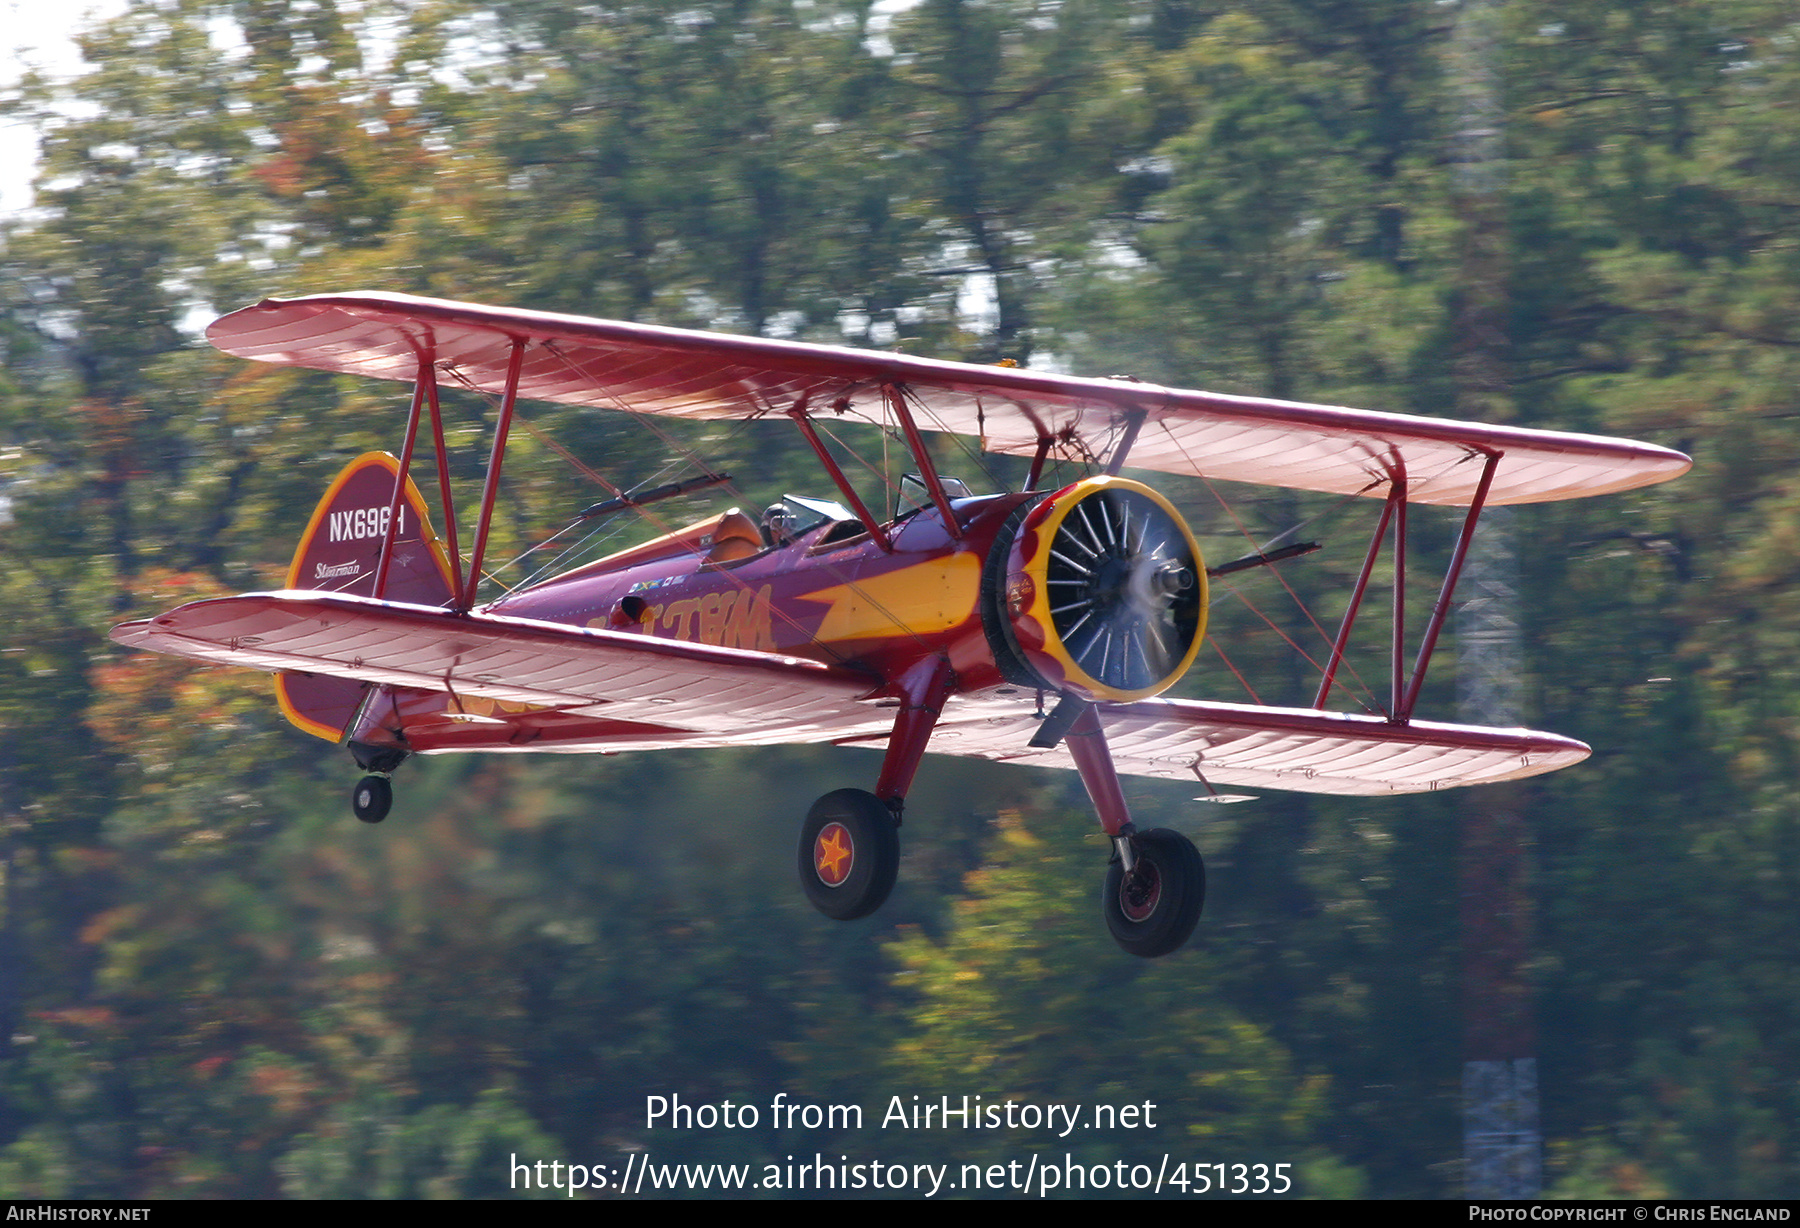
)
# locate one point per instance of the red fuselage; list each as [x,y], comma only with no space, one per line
[832,594]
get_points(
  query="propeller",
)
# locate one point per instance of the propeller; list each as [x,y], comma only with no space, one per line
[1097,591]
[1124,591]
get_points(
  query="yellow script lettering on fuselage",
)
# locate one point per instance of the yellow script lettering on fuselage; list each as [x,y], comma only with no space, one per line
[736,619]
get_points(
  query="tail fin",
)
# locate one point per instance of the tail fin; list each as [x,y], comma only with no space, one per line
[339,552]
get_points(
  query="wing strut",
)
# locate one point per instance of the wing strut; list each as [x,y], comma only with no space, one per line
[798,414]
[1356,596]
[1406,688]
[896,397]
[1442,609]
[425,393]
[406,450]
[428,376]
[1134,422]
[1399,635]
[491,488]
[1037,462]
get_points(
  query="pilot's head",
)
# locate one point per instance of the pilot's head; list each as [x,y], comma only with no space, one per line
[778,524]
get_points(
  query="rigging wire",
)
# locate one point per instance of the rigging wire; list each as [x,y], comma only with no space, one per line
[1220,649]
[888,432]
[1289,640]
[960,440]
[1368,694]
[887,483]
[662,525]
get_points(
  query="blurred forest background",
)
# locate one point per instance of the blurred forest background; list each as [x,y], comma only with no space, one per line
[213,982]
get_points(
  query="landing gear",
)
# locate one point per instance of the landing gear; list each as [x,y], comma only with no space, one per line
[1152,909]
[372,798]
[849,854]
[374,794]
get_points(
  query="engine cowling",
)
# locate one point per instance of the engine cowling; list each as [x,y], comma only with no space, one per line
[1097,589]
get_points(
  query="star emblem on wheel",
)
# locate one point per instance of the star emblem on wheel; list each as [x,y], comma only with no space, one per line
[833,854]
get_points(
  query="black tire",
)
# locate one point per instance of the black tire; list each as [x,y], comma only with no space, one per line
[849,835]
[1155,911]
[372,798]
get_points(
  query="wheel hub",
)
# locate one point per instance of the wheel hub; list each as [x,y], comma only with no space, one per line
[1140,892]
[834,854]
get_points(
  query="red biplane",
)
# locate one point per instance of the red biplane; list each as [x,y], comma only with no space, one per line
[1034,626]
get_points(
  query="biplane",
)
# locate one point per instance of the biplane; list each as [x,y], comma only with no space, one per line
[1034,625]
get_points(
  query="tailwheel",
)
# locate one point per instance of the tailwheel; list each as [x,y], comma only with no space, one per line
[1152,910]
[372,798]
[849,854]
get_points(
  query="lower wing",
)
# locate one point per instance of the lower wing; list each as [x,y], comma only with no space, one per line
[548,672]
[549,687]
[1298,749]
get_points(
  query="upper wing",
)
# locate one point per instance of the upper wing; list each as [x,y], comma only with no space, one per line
[725,694]
[1302,750]
[647,369]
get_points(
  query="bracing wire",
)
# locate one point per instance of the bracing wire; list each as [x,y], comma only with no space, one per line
[662,525]
[1367,693]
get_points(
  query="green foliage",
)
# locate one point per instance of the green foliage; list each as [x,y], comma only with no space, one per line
[213,984]
[1023,996]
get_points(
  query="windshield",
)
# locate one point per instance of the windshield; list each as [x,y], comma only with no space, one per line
[914,494]
[810,513]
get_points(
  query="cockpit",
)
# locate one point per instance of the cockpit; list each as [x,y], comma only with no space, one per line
[797,515]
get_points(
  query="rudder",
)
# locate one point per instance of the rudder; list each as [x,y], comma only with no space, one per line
[339,552]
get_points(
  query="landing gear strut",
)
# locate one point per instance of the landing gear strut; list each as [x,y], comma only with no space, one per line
[1152,908]
[1156,884]
[849,854]
[850,843]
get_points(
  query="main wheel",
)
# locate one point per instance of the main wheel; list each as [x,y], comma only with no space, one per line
[849,854]
[1152,910]
[372,798]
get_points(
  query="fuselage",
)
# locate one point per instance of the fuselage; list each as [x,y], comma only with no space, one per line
[831,593]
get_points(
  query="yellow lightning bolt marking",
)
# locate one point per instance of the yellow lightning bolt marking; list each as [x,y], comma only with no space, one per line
[926,597]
